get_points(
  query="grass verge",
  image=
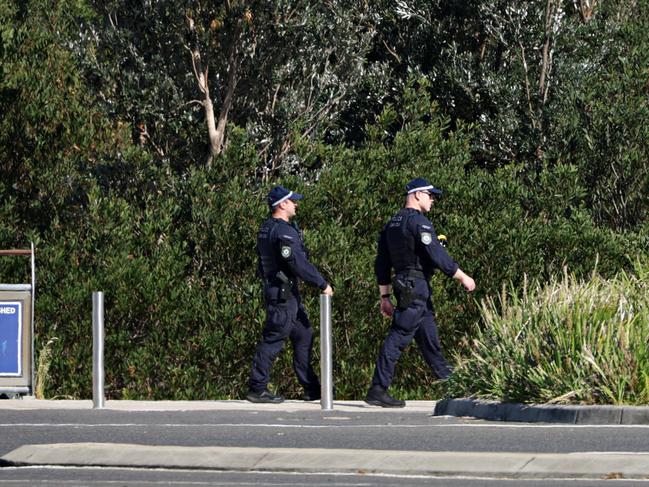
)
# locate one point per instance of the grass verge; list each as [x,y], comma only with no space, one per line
[564,341]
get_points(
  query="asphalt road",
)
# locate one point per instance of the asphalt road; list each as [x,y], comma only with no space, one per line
[111,477]
[310,429]
[305,427]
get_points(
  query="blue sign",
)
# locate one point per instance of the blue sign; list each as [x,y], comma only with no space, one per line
[10,338]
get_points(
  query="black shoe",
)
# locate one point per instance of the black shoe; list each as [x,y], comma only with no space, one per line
[264,396]
[311,395]
[377,396]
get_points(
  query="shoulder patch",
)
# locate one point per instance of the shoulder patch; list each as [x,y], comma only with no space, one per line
[287,237]
[426,238]
[285,251]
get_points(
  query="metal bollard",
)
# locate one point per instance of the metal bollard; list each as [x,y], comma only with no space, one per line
[97,350]
[326,387]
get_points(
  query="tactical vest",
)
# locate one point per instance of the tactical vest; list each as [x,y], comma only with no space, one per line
[266,249]
[401,243]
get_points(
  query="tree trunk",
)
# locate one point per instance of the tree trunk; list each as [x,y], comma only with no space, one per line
[217,140]
[215,125]
[546,64]
[215,135]
[586,8]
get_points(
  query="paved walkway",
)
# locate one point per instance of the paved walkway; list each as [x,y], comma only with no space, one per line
[492,411]
[489,464]
[501,465]
[427,407]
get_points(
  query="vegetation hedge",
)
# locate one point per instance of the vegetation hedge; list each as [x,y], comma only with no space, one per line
[174,254]
[103,166]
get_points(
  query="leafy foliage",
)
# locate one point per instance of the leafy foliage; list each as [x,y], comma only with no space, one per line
[279,68]
[565,341]
[104,138]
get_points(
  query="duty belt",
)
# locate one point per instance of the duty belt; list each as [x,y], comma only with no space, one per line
[284,285]
[417,274]
[405,289]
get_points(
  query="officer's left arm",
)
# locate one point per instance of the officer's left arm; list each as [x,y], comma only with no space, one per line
[383,263]
[382,269]
[426,239]
[292,251]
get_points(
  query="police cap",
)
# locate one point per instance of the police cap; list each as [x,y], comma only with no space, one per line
[279,194]
[420,184]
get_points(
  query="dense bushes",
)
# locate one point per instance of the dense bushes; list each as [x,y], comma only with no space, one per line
[118,197]
[176,260]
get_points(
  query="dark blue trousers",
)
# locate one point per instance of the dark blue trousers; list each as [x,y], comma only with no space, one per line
[287,319]
[418,322]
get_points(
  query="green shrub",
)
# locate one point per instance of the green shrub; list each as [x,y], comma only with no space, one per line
[172,247]
[568,340]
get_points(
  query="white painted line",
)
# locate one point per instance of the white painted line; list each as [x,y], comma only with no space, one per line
[608,453]
[327,426]
[498,480]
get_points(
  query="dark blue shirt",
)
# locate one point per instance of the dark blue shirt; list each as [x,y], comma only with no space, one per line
[409,242]
[281,248]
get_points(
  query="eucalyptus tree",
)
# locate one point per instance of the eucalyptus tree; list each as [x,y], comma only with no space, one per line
[542,81]
[51,135]
[180,71]
[500,64]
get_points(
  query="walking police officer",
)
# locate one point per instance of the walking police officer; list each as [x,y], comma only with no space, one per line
[408,244]
[283,261]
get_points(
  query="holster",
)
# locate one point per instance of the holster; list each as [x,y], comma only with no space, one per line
[285,287]
[405,291]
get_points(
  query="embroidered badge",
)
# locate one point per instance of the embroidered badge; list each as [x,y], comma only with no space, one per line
[286,251]
[426,238]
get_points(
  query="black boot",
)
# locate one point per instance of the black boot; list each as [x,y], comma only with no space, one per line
[311,395]
[377,396]
[264,396]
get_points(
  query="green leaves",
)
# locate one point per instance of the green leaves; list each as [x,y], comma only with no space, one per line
[566,340]
[103,148]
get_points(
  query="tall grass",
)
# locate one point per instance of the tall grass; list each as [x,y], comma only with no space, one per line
[564,341]
[43,369]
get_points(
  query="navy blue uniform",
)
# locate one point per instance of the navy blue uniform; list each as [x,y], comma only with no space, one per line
[408,244]
[282,256]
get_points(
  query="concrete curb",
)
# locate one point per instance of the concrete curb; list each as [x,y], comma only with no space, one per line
[543,413]
[502,465]
[426,407]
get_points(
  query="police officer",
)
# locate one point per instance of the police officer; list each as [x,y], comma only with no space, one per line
[283,261]
[408,244]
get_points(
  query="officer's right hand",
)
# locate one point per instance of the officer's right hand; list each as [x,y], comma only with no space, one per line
[328,291]
[468,283]
[387,308]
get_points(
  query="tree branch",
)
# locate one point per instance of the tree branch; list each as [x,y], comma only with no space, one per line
[234,62]
[393,53]
[527,85]
[586,9]
[272,106]
[546,64]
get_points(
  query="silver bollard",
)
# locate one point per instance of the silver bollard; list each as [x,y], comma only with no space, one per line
[326,387]
[98,350]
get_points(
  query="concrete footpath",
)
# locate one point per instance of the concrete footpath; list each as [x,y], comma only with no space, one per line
[465,408]
[585,465]
[500,465]
[426,407]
